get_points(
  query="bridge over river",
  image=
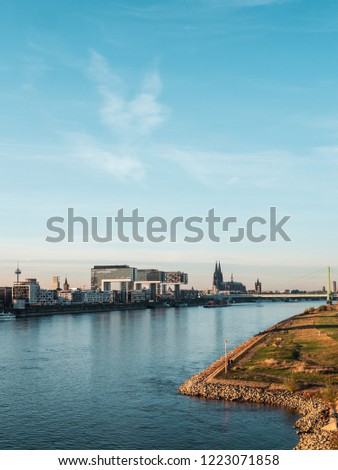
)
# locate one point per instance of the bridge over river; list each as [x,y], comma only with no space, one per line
[280,297]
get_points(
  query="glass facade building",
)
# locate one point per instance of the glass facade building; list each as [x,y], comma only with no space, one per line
[101,276]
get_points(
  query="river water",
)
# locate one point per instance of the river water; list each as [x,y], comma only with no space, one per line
[109,381]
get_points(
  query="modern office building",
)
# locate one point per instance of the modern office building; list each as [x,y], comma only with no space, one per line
[56,283]
[5,297]
[104,277]
[27,290]
[124,279]
[150,280]
[175,277]
[115,277]
[47,296]
[144,276]
[95,297]
[139,296]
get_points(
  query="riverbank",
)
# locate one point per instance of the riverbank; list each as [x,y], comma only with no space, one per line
[260,371]
[41,311]
[47,310]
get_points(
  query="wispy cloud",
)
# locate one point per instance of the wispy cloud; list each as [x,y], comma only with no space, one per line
[266,170]
[119,162]
[130,120]
[138,115]
[100,72]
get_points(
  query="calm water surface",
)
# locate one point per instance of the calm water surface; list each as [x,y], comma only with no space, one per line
[109,381]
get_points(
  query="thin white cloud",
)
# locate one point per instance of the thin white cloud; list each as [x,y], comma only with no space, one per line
[136,116]
[100,72]
[216,169]
[121,163]
[139,116]
[130,119]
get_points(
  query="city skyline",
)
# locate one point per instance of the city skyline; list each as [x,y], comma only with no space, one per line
[172,109]
[319,278]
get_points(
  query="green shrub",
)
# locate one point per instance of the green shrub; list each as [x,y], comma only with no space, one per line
[329,394]
[292,384]
[295,354]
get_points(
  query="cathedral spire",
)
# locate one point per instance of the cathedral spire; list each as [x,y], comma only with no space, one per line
[218,277]
[66,285]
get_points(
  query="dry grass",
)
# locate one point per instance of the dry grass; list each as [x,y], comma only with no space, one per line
[304,347]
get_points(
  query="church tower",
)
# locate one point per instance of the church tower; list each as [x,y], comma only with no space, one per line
[66,285]
[258,287]
[220,275]
[214,284]
[217,284]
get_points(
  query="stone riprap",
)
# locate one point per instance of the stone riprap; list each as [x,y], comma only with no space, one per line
[315,413]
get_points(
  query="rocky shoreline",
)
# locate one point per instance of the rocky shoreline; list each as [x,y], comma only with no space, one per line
[315,413]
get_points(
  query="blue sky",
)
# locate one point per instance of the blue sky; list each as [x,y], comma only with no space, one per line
[172,107]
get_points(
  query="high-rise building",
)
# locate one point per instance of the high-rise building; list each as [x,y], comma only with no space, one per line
[103,277]
[56,283]
[149,275]
[334,286]
[124,279]
[175,277]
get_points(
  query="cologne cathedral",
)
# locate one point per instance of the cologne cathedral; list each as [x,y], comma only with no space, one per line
[229,286]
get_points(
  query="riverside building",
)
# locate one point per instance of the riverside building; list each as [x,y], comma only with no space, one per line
[29,292]
[122,279]
[5,297]
[26,291]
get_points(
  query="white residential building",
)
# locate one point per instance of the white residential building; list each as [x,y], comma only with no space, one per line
[27,290]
